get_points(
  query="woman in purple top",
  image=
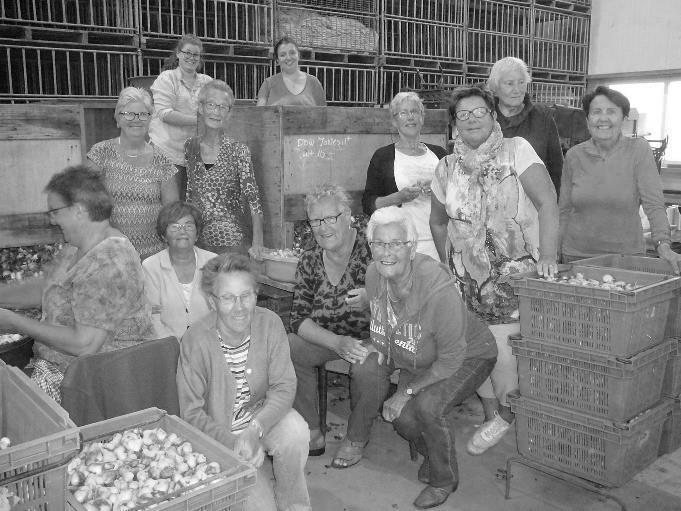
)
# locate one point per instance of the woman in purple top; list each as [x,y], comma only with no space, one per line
[292,86]
[605,181]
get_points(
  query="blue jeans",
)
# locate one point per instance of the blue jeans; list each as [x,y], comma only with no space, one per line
[428,419]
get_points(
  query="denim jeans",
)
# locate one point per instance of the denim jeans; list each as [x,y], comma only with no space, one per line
[288,443]
[428,421]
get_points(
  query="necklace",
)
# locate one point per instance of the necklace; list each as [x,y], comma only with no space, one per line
[132,155]
[407,288]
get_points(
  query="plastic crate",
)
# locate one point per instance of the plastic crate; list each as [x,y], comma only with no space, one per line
[671,430]
[650,265]
[599,450]
[224,491]
[671,385]
[617,323]
[43,438]
[603,386]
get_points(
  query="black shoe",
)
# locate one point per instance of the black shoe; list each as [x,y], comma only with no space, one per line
[432,497]
[424,471]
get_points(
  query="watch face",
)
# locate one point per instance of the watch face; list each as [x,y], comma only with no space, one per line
[409,391]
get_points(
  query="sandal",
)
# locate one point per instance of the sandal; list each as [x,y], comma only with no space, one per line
[348,454]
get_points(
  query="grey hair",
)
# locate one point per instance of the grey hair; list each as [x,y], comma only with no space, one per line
[131,95]
[328,190]
[401,97]
[225,263]
[218,85]
[392,215]
[504,66]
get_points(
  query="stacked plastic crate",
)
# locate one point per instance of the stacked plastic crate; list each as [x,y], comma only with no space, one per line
[591,364]
[237,37]
[52,48]
[423,47]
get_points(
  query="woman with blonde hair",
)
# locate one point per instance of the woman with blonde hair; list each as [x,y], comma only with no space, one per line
[137,174]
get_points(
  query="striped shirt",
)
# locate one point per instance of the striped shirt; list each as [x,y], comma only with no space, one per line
[236,360]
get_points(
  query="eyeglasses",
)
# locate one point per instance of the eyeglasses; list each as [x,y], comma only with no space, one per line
[130,116]
[478,113]
[175,227]
[212,107]
[405,114]
[52,211]
[244,299]
[389,245]
[330,220]
[190,56]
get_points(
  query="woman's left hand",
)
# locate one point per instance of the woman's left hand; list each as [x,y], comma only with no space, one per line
[674,259]
[357,299]
[547,266]
[256,252]
[249,448]
[7,321]
[392,408]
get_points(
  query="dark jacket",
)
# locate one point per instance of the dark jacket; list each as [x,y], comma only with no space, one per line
[381,175]
[536,125]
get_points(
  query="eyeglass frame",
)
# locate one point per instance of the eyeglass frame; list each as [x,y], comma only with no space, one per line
[469,112]
[393,245]
[136,115]
[51,212]
[190,55]
[222,108]
[231,300]
[177,227]
[406,114]
[326,220]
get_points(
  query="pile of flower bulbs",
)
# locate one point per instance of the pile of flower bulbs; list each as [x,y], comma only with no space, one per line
[8,338]
[4,443]
[607,282]
[17,263]
[283,252]
[135,468]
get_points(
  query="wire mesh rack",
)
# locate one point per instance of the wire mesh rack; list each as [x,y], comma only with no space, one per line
[346,85]
[101,15]
[559,93]
[41,72]
[233,21]
[488,47]
[431,85]
[561,41]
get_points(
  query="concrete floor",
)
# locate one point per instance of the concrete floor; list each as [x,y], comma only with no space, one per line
[385,479]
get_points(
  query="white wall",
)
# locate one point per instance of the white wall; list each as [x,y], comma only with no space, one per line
[629,36]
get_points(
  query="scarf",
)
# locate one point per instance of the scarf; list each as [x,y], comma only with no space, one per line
[480,161]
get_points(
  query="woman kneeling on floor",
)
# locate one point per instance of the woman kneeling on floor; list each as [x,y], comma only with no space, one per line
[236,383]
[420,325]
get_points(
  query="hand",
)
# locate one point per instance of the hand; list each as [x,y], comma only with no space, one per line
[425,186]
[409,193]
[350,349]
[392,408]
[547,266]
[371,349]
[357,299]
[256,252]
[674,259]
[248,447]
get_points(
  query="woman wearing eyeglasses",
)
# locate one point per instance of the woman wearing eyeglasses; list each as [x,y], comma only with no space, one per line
[328,320]
[137,174]
[176,102]
[220,179]
[236,383]
[419,325]
[493,213]
[399,174]
[173,275]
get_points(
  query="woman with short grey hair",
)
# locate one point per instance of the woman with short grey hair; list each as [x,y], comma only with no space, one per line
[519,117]
[399,174]
[137,174]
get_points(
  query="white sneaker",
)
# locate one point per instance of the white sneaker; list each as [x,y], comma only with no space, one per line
[487,435]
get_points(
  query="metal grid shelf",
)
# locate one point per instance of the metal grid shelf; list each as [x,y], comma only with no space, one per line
[321,28]
[423,39]
[236,21]
[366,7]
[582,6]
[41,72]
[488,47]
[500,17]
[243,74]
[346,85]
[557,93]
[430,11]
[555,56]
[397,79]
[552,25]
[100,15]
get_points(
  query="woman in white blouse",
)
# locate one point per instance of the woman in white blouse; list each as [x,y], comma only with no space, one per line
[173,276]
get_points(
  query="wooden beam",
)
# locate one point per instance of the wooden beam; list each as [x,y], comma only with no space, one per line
[35,121]
[28,229]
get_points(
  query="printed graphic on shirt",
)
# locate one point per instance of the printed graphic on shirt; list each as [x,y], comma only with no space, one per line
[405,335]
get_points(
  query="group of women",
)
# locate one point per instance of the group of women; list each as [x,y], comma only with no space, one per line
[424,290]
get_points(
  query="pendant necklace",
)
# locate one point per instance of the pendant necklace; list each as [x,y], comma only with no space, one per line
[132,155]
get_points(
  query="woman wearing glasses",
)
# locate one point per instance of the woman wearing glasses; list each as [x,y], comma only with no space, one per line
[419,325]
[399,174]
[328,321]
[137,174]
[493,213]
[92,296]
[236,383]
[172,276]
[220,179]
[176,101]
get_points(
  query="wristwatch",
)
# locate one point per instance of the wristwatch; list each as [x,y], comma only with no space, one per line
[409,392]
